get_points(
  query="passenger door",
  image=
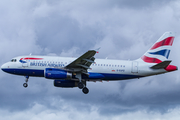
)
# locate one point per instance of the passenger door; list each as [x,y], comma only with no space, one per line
[134,67]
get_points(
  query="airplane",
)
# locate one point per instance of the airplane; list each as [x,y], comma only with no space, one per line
[70,72]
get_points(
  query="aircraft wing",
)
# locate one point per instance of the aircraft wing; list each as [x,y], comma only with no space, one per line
[83,63]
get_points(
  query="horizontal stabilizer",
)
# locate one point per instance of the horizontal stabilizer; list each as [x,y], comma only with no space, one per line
[161,65]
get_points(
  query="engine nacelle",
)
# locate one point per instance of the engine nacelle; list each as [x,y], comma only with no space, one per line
[93,76]
[53,73]
[65,83]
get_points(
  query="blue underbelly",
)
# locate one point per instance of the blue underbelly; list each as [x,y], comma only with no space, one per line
[40,73]
[26,72]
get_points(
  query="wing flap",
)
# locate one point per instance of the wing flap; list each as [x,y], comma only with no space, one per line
[89,60]
[84,66]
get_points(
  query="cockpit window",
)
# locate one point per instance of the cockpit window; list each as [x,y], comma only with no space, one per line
[13,60]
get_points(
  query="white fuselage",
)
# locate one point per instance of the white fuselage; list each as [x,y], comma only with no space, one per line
[111,69]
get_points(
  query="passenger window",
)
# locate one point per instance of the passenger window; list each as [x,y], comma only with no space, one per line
[14,60]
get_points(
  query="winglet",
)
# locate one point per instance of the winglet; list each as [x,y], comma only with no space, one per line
[161,65]
[97,50]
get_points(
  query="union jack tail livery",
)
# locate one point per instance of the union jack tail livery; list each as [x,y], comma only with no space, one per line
[160,50]
[159,53]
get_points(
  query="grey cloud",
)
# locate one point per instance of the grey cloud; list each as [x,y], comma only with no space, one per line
[120,28]
[63,34]
[140,4]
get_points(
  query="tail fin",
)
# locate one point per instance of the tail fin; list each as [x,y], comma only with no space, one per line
[160,50]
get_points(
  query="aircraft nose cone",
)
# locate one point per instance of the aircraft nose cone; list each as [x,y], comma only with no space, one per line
[4,66]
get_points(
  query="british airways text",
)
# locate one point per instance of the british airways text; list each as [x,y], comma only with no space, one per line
[46,64]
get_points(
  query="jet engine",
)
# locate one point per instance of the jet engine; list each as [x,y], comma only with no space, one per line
[53,73]
[65,83]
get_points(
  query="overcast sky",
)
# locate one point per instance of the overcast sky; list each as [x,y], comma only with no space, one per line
[124,29]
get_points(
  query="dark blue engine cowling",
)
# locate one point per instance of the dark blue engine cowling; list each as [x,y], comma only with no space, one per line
[93,76]
[53,73]
[65,83]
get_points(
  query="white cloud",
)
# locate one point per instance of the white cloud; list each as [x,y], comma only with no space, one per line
[39,112]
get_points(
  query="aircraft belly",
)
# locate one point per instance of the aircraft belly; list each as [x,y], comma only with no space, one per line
[25,72]
[119,76]
[113,76]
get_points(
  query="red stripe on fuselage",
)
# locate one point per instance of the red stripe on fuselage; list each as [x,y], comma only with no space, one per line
[166,42]
[150,60]
[30,58]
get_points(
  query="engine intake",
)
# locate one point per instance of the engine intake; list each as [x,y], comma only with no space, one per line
[53,73]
